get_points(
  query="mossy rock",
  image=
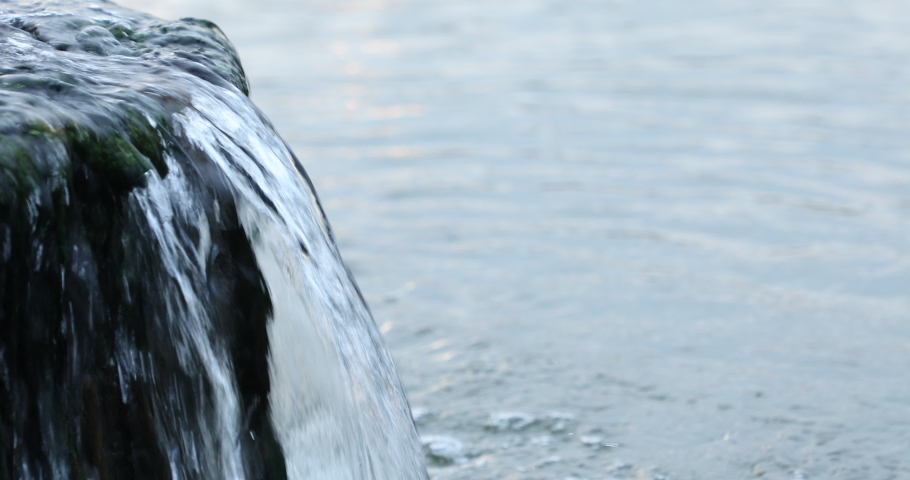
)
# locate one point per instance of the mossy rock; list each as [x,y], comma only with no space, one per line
[88,96]
[80,89]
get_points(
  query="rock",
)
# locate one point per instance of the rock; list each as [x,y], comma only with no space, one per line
[144,206]
[420,414]
[558,422]
[619,466]
[595,441]
[505,421]
[548,461]
[442,450]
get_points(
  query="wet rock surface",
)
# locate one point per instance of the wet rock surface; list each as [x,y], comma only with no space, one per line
[96,383]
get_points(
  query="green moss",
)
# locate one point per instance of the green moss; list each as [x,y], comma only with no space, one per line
[34,159]
[12,85]
[112,157]
[120,31]
[29,81]
[147,138]
[57,118]
[17,168]
[41,152]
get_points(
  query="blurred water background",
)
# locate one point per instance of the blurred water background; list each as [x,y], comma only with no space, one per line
[614,238]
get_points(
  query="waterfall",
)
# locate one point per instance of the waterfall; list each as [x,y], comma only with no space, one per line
[174,304]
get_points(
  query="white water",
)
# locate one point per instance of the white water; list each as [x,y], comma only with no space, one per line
[336,402]
[160,203]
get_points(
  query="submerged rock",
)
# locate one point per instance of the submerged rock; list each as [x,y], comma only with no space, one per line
[442,450]
[172,303]
[505,421]
[559,422]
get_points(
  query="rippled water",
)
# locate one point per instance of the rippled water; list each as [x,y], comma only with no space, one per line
[682,226]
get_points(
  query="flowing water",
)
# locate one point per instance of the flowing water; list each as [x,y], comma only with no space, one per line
[335,403]
[615,239]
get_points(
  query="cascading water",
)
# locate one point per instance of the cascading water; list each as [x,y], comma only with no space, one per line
[173,302]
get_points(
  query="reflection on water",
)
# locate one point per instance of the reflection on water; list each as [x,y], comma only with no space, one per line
[682,226]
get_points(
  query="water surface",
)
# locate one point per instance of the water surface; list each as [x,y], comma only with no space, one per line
[683,227]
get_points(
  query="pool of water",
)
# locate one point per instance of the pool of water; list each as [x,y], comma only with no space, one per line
[615,239]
